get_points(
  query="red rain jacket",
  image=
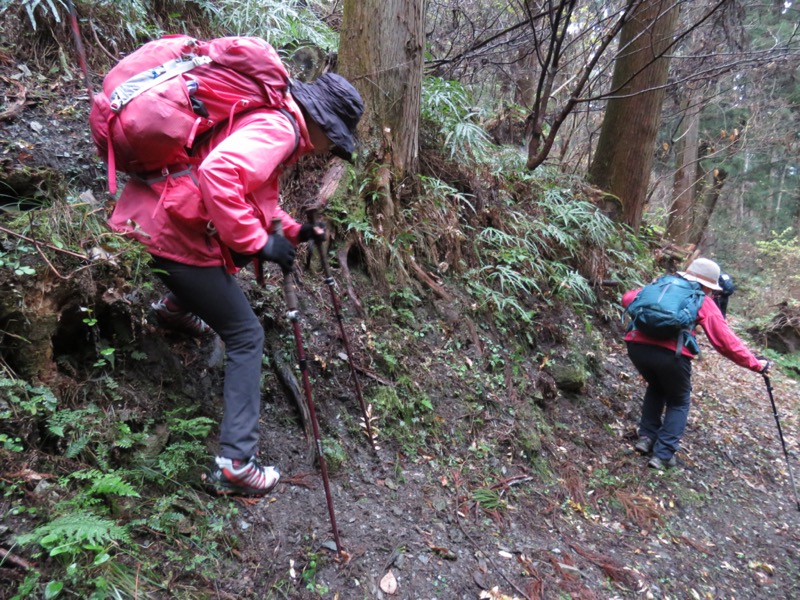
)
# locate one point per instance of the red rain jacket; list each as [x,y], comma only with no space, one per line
[716,329]
[238,179]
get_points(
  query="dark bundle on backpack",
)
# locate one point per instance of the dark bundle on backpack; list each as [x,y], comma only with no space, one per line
[667,309]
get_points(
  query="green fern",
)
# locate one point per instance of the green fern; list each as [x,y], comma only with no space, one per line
[195,427]
[76,447]
[181,458]
[70,534]
[105,484]
[489,499]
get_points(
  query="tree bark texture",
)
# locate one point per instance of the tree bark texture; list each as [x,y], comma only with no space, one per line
[624,155]
[685,183]
[381,52]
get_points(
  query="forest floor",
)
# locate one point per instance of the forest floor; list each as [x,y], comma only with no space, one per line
[724,524]
[451,516]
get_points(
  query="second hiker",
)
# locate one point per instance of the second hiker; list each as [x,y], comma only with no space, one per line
[665,407]
[726,290]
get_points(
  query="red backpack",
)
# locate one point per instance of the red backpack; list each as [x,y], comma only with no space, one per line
[158,100]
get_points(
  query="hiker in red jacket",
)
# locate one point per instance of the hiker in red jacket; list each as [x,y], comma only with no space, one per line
[197,244]
[665,408]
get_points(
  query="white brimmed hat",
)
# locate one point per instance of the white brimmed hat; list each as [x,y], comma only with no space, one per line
[703,271]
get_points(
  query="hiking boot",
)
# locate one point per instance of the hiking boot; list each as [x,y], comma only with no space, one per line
[179,320]
[240,477]
[644,445]
[660,464]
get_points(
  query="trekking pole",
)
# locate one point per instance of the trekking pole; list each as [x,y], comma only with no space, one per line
[76,35]
[337,307]
[294,316]
[780,434]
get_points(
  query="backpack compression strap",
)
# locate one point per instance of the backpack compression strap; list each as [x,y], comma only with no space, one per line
[137,85]
[141,82]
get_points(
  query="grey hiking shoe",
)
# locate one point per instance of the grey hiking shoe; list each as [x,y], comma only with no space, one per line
[240,477]
[660,464]
[644,445]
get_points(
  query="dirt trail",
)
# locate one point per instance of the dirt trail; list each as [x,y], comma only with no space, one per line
[723,525]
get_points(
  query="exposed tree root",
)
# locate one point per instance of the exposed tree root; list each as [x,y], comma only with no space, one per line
[422,276]
[351,293]
[291,387]
[330,182]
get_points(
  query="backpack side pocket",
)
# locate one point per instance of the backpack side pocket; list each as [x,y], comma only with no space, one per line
[180,197]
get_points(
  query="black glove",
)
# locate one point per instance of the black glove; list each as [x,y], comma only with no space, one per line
[241,260]
[278,250]
[307,232]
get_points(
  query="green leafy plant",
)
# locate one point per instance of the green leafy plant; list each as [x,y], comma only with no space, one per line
[79,428]
[280,22]
[19,398]
[187,448]
[105,484]
[489,499]
[34,7]
[11,260]
[14,444]
[406,411]
[309,574]
[449,106]
[76,533]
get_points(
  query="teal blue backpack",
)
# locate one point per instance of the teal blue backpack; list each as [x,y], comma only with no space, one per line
[667,310]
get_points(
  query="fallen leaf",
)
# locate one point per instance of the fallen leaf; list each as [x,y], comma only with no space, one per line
[496,594]
[759,566]
[479,579]
[329,545]
[389,584]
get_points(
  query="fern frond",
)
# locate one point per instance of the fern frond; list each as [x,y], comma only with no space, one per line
[70,533]
[106,483]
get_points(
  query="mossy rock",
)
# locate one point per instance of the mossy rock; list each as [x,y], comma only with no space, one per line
[571,375]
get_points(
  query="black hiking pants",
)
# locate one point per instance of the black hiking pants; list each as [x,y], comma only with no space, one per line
[214,295]
[665,408]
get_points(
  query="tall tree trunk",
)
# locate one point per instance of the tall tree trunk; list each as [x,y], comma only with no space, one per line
[705,204]
[381,52]
[685,183]
[624,156]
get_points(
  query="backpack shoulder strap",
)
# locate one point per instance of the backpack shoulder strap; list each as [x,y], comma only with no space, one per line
[293,121]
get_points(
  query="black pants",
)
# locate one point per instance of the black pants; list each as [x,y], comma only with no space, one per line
[722,302]
[214,295]
[665,408]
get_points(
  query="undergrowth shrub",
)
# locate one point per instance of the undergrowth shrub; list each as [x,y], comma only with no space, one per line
[536,254]
[282,23]
[102,474]
[449,109]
